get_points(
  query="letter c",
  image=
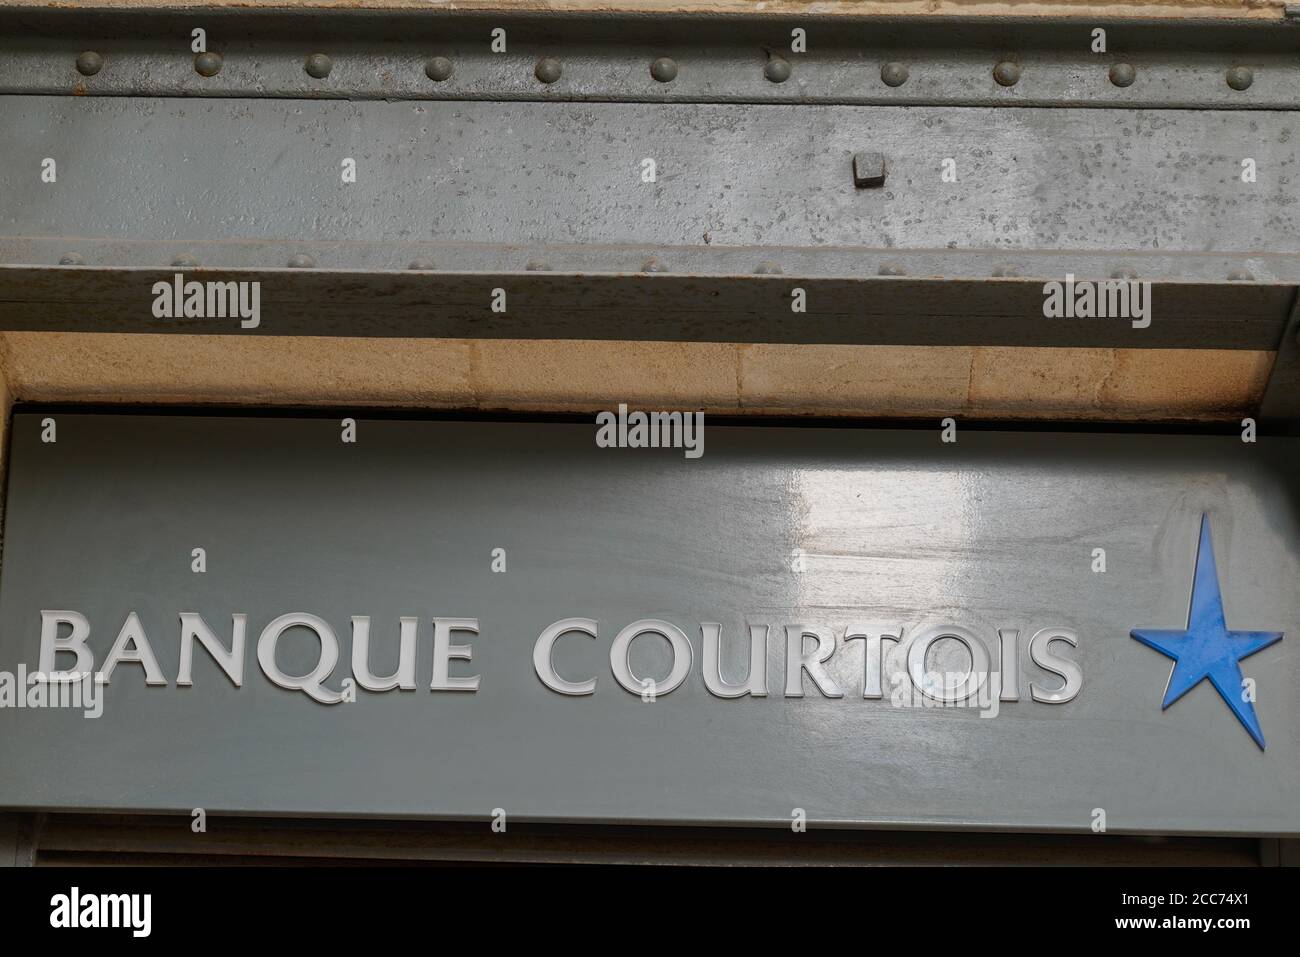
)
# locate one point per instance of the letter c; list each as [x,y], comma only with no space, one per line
[542,656]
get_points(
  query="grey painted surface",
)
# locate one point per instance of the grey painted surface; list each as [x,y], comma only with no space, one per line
[545,201]
[875,310]
[495,259]
[382,55]
[727,175]
[996,530]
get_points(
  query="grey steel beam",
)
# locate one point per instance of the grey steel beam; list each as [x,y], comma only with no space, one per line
[541,177]
[900,61]
[794,262]
[874,310]
[235,176]
[546,201]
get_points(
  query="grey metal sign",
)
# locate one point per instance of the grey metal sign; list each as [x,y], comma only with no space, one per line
[527,621]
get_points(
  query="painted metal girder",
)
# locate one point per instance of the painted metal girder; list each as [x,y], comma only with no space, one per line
[1002,155]
[434,55]
[548,202]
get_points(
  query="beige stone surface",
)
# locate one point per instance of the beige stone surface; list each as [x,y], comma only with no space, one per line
[1003,382]
[592,375]
[855,380]
[1197,382]
[57,367]
[1074,8]
[583,376]
[1118,383]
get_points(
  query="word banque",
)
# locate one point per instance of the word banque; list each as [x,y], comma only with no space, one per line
[807,650]
[179,299]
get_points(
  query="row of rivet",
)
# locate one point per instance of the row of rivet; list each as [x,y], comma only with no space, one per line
[664,70]
[656,265]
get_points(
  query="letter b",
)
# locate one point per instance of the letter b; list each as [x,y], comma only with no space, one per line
[75,642]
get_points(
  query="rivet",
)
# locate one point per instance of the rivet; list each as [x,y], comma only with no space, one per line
[422,265]
[664,69]
[768,268]
[318,65]
[893,74]
[301,261]
[868,170]
[1007,73]
[1122,74]
[1240,77]
[1241,275]
[207,64]
[1124,273]
[891,269]
[538,265]
[548,69]
[438,69]
[653,265]
[72,259]
[777,69]
[184,262]
[89,63]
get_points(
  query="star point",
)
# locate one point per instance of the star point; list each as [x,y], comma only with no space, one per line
[1206,648]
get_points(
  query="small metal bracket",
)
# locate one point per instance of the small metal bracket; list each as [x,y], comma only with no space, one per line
[868,170]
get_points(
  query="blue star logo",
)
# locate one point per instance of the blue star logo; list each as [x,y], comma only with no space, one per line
[1207,649]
